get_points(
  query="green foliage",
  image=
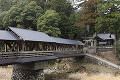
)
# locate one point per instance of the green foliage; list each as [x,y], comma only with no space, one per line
[109,16]
[2,15]
[88,15]
[75,32]
[23,15]
[5,5]
[72,31]
[48,23]
[117,46]
[13,14]
[61,6]
[64,9]
[58,20]
[30,15]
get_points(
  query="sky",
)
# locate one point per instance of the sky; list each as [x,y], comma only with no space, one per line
[75,3]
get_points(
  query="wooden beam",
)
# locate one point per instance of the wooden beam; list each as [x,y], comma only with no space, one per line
[5,47]
[22,46]
[1,43]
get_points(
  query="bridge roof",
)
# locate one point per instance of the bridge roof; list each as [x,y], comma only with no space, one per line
[67,41]
[6,35]
[30,35]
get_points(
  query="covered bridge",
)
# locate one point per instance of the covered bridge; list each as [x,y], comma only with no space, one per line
[16,39]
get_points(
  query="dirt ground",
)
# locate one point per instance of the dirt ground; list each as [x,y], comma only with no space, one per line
[100,76]
[95,72]
[5,73]
[110,56]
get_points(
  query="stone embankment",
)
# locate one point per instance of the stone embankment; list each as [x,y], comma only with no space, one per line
[89,58]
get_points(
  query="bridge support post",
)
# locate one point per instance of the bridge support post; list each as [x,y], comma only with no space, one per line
[29,71]
[25,74]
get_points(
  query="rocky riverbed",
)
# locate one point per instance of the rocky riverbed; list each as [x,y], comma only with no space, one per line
[88,72]
[85,71]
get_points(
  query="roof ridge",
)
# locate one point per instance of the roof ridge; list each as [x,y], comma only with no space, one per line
[26,29]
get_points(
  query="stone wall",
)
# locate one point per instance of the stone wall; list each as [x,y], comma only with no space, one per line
[89,59]
[105,49]
[93,50]
[25,74]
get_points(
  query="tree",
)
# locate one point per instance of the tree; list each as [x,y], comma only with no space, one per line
[2,15]
[13,17]
[30,15]
[76,32]
[117,46]
[88,15]
[64,8]
[61,6]
[5,5]
[23,15]
[48,23]
[109,16]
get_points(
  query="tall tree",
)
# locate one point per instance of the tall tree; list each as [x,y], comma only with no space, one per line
[76,32]
[61,6]
[2,15]
[23,15]
[13,17]
[30,15]
[89,15]
[44,4]
[64,9]
[5,5]
[109,16]
[48,23]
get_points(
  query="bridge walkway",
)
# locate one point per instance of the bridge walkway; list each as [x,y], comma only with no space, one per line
[34,56]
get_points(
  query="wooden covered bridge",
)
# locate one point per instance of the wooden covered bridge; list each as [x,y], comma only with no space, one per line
[30,50]
[18,44]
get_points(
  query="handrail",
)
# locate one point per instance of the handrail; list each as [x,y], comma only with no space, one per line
[27,54]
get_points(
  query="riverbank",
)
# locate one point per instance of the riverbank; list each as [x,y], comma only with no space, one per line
[91,72]
[5,73]
[98,76]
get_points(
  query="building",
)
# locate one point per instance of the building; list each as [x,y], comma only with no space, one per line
[104,39]
[101,39]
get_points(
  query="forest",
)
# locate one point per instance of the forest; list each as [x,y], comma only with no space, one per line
[58,18]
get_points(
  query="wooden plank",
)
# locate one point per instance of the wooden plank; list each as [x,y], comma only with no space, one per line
[24,54]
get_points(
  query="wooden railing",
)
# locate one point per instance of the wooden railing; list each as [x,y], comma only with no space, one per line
[27,54]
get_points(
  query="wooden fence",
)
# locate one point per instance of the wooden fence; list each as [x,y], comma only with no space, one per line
[28,54]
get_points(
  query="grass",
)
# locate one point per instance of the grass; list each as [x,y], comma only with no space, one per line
[100,76]
[95,72]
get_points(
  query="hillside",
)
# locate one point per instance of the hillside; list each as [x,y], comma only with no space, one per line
[110,56]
